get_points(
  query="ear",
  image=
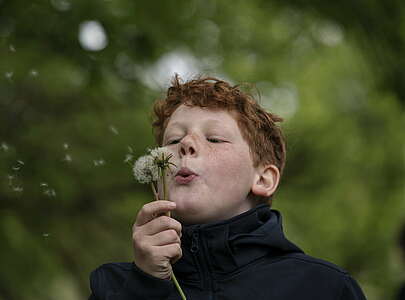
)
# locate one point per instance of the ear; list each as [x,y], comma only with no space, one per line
[266,181]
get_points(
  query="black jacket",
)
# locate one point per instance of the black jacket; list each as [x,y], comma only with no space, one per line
[245,257]
[401,293]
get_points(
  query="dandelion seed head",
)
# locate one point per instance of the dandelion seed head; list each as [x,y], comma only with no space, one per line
[145,170]
[160,152]
[162,157]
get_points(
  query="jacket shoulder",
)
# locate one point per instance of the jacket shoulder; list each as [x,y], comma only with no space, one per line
[320,270]
[109,275]
[124,279]
[115,267]
[317,262]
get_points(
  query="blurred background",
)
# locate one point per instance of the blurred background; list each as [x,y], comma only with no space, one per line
[77,83]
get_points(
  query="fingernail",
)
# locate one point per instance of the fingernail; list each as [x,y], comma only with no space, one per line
[172,204]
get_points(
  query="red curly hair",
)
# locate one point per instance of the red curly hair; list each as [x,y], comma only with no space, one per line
[258,127]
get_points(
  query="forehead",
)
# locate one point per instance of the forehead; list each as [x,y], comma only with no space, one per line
[186,115]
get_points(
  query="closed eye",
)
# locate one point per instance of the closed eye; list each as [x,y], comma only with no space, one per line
[214,140]
[173,142]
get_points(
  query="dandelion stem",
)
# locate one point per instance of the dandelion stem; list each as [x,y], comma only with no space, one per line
[145,168]
[166,197]
[155,193]
[178,287]
[164,186]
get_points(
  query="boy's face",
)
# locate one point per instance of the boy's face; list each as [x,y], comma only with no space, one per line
[210,144]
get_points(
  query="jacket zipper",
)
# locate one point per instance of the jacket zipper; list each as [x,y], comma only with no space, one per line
[201,255]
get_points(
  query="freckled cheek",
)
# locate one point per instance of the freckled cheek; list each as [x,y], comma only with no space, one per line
[229,166]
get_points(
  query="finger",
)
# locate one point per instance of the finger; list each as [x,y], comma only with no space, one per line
[163,238]
[172,251]
[160,224]
[152,209]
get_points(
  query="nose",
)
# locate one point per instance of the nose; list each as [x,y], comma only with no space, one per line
[188,147]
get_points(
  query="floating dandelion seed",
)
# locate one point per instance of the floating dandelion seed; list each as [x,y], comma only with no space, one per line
[10,179]
[50,192]
[18,189]
[99,162]
[114,130]
[11,47]
[34,73]
[9,75]
[61,5]
[4,147]
[18,167]
[45,234]
[128,158]
[67,158]
[65,146]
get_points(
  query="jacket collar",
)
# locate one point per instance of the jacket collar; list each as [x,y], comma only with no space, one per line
[228,245]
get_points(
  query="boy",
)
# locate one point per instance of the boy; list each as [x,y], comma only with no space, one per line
[223,241]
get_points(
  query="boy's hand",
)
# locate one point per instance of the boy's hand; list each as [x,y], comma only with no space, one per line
[156,239]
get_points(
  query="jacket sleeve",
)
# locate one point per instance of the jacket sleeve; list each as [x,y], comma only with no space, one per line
[351,290]
[109,282]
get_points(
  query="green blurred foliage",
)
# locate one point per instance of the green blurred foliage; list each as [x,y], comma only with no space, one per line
[74,118]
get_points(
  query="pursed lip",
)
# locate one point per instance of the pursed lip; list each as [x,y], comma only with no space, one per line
[185,175]
[184,171]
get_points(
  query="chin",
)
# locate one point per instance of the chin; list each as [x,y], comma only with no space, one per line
[191,220]
[186,218]
[187,212]
[186,206]
[190,217]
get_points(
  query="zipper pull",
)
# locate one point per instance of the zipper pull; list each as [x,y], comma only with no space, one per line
[194,242]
